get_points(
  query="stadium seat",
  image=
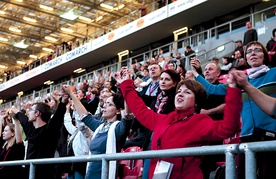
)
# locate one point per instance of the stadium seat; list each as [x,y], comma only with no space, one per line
[130,169]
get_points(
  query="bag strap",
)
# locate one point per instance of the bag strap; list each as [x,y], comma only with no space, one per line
[273,47]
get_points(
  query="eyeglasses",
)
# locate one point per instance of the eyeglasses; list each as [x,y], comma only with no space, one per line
[107,104]
[256,50]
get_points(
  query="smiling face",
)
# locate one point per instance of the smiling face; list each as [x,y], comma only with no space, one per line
[184,99]
[166,82]
[255,56]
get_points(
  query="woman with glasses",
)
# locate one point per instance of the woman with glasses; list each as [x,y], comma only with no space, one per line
[13,148]
[263,78]
[109,136]
[184,127]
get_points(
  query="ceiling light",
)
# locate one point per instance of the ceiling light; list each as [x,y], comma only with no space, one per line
[46,7]
[121,6]
[54,35]
[32,56]
[47,49]
[14,29]
[69,15]
[3,39]
[123,53]
[50,38]
[79,70]
[21,44]
[2,12]
[85,18]
[2,66]
[19,0]
[29,19]
[67,30]
[106,6]
[20,62]
[20,93]
[49,82]
[99,18]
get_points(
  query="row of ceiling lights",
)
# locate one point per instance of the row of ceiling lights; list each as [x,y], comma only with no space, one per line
[68,15]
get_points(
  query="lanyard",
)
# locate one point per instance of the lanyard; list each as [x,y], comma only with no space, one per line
[152,89]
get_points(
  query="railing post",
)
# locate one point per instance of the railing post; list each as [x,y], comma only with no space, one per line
[250,164]
[230,168]
[32,171]
[105,168]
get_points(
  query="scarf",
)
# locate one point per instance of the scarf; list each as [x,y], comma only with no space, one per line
[160,102]
[110,145]
[257,72]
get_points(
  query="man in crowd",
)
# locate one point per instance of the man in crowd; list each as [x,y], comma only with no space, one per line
[42,133]
[250,35]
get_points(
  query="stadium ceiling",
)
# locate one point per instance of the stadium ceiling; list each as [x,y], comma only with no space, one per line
[39,24]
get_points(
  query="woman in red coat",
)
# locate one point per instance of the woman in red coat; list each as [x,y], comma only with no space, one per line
[184,127]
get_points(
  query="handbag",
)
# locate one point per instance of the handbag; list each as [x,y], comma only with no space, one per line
[260,134]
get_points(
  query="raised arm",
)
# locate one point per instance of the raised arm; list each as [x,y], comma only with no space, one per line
[265,102]
[18,132]
[77,104]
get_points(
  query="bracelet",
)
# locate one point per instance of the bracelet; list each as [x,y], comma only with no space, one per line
[129,116]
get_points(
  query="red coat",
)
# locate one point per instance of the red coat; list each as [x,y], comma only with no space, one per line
[196,130]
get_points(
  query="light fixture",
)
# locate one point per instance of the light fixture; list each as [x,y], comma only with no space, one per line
[123,53]
[47,49]
[85,18]
[32,56]
[99,18]
[2,66]
[29,19]
[21,44]
[50,38]
[106,6]
[79,70]
[220,48]
[2,12]
[20,93]
[46,7]
[121,6]
[181,31]
[49,82]
[3,39]
[19,0]
[54,35]
[67,30]
[14,29]
[20,62]
[69,15]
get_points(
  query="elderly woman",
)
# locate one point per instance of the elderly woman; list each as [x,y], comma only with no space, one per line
[109,136]
[263,78]
[184,127]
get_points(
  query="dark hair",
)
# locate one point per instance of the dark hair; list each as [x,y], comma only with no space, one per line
[266,58]
[273,32]
[188,47]
[45,111]
[173,74]
[118,100]
[198,90]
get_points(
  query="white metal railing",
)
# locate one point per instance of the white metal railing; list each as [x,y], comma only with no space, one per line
[230,151]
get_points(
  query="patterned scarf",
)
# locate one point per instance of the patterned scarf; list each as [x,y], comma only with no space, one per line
[160,102]
[256,72]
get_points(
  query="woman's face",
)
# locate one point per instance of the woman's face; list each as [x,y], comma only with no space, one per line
[109,108]
[7,133]
[255,56]
[166,82]
[184,99]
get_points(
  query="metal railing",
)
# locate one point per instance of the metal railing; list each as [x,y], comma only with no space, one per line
[230,152]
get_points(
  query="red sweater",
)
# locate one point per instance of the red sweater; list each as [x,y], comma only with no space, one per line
[196,130]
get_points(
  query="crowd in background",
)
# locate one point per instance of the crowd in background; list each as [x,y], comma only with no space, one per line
[155,105]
